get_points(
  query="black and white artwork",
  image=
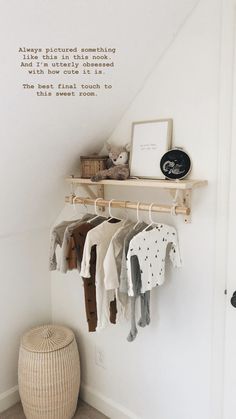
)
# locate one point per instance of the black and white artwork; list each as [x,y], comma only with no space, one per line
[175,164]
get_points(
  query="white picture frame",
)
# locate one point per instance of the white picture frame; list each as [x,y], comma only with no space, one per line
[150,140]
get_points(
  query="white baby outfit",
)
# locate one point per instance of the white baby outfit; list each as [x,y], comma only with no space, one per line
[113,258]
[101,237]
[150,248]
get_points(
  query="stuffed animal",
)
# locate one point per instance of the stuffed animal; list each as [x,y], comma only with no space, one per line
[117,164]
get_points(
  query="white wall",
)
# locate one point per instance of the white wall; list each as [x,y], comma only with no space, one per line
[24,300]
[42,138]
[165,373]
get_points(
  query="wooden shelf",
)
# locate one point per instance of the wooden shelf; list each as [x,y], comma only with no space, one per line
[180,190]
[149,183]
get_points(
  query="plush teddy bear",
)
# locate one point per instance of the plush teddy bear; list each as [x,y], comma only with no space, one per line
[117,164]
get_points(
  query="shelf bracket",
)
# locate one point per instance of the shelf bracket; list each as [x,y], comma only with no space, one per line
[187,200]
[182,198]
[98,193]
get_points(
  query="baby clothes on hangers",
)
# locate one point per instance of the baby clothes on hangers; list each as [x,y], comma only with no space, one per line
[79,236]
[136,279]
[112,266]
[67,245]
[100,236]
[123,274]
[150,248]
[113,258]
[56,239]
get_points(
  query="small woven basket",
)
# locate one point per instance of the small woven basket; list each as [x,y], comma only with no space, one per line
[49,373]
[90,165]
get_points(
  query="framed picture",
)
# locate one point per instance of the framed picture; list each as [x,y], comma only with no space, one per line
[150,140]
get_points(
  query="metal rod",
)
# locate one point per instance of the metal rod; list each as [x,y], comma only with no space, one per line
[129,205]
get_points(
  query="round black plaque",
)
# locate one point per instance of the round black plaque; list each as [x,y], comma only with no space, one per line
[175,164]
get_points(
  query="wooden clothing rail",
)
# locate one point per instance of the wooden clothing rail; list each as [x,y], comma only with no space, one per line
[169,209]
[179,190]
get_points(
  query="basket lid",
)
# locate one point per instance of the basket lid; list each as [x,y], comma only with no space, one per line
[47,338]
[94,157]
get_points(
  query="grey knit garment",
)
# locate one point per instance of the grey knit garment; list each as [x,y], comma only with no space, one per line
[145,300]
[112,277]
[56,239]
[123,274]
[136,280]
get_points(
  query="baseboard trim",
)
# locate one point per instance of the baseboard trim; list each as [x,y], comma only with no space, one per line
[9,398]
[91,396]
[105,405]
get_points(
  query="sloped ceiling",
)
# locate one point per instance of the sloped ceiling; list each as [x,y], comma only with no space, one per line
[41,137]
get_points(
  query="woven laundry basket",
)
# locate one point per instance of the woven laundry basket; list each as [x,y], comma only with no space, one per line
[49,373]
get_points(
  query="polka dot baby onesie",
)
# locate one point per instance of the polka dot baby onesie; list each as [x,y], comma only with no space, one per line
[150,248]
